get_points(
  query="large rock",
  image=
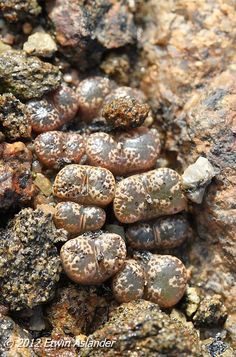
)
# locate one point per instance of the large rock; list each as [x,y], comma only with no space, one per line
[210,127]
[210,131]
[184,44]
[141,326]
[27,77]
[29,263]
[85,29]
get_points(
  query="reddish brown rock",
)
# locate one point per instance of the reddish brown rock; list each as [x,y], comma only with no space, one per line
[18,10]
[116,28]
[16,185]
[57,345]
[184,44]
[210,131]
[85,29]
[14,118]
[211,127]
[78,310]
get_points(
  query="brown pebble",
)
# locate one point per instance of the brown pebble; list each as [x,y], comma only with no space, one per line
[92,259]
[124,153]
[55,148]
[77,219]
[128,284]
[149,195]
[85,184]
[125,112]
[124,92]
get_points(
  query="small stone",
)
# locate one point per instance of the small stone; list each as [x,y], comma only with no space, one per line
[116,28]
[19,10]
[191,301]
[43,184]
[149,195]
[29,263]
[4,310]
[85,185]
[128,284]
[77,219]
[166,278]
[84,30]
[40,44]
[74,32]
[4,47]
[230,327]
[16,183]
[196,178]
[27,28]
[47,209]
[211,312]
[27,77]
[118,67]
[14,118]
[92,259]
[216,347]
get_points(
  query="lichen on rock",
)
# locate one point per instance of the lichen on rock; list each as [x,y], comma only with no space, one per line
[29,263]
[14,118]
[141,326]
[27,77]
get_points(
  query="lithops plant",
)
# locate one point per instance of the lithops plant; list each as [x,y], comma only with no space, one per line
[93,258]
[91,93]
[77,219]
[164,232]
[166,279]
[54,110]
[128,284]
[149,195]
[124,153]
[55,148]
[85,185]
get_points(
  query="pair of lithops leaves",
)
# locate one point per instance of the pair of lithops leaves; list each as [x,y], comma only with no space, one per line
[92,259]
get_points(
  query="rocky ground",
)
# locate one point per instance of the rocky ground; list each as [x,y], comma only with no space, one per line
[72,70]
